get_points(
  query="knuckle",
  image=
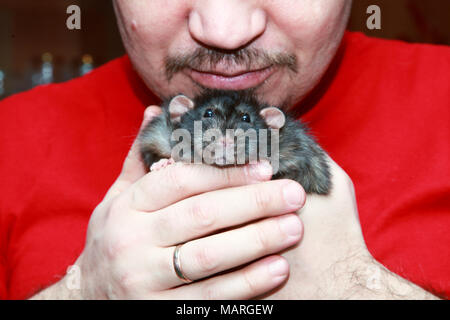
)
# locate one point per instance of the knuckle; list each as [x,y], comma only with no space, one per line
[126,281]
[161,227]
[206,260]
[127,285]
[250,283]
[341,176]
[262,199]
[343,181]
[210,292]
[227,176]
[262,241]
[175,176]
[117,242]
[202,217]
[114,248]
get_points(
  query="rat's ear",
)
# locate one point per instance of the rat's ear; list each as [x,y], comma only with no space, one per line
[178,106]
[273,117]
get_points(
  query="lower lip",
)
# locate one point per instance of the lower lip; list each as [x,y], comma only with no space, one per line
[243,81]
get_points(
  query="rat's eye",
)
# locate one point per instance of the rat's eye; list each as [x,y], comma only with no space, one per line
[245,118]
[208,113]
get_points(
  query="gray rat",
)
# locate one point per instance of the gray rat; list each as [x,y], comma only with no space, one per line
[299,157]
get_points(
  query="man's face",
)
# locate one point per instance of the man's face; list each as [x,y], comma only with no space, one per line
[279,48]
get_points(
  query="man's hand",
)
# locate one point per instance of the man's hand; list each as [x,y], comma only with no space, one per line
[133,232]
[332,260]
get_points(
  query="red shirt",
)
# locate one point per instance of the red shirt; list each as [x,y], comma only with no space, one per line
[382,113]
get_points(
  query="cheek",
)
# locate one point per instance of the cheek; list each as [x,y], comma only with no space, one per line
[149,29]
[312,20]
[150,23]
[312,30]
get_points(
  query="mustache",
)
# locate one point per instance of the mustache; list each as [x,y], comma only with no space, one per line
[207,59]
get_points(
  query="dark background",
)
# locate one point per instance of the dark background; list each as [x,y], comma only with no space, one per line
[30,28]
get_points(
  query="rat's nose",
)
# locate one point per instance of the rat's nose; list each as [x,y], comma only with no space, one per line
[226,141]
[226,24]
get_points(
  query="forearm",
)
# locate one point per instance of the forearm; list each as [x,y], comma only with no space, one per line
[371,280]
[356,277]
[384,284]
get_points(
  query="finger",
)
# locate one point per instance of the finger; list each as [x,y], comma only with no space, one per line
[161,188]
[246,283]
[208,212]
[207,256]
[133,167]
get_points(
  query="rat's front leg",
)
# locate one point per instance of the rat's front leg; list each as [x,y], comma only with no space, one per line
[162,163]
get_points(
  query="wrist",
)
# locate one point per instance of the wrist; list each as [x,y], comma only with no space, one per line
[68,288]
[62,290]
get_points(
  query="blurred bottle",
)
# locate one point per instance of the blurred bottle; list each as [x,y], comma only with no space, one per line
[47,68]
[87,64]
[45,74]
[2,84]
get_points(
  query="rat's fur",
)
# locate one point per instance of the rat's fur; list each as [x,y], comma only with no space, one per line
[300,157]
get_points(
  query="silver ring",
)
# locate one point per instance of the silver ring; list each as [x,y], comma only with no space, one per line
[177,265]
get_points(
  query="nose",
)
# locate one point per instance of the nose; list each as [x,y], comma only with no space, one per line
[226,141]
[226,24]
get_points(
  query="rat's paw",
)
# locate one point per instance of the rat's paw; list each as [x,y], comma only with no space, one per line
[162,163]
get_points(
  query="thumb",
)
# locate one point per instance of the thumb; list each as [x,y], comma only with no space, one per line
[133,167]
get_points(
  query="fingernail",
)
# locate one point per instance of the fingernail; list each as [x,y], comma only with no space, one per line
[279,267]
[290,225]
[261,170]
[293,194]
